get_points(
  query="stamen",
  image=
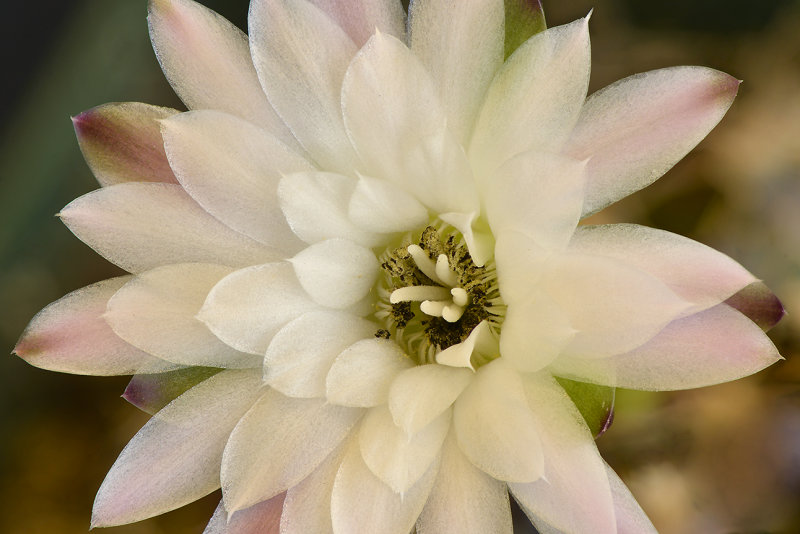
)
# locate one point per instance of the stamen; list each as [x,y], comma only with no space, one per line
[419,294]
[424,263]
[460,296]
[444,272]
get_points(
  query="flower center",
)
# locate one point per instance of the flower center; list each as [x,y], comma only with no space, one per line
[432,295]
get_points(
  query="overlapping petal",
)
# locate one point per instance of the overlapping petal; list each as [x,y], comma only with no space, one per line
[361,19]
[261,518]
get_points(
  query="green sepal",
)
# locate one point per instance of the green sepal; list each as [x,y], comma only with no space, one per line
[151,392]
[524,18]
[596,403]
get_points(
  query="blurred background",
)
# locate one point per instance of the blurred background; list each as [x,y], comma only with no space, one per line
[724,459]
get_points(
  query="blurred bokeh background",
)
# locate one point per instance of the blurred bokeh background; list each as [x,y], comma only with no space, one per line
[723,459]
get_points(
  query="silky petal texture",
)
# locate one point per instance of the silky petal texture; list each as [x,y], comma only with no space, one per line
[636,129]
[695,272]
[301,56]
[232,169]
[631,519]
[140,226]
[396,458]
[613,306]
[713,346]
[261,518]
[464,500]
[539,195]
[574,493]
[461,44]
[381,206]
[122,142]
[207,62]
[362,374]
[363,504]
[278,443]
[155,312]
[174,459]
[150,392]
[71,336]
[398,126]
[336,273]
[420,394]
[301,353]
[535,99]
[520,266]
[248,307]
[361,19]
[315,205]
[495,427]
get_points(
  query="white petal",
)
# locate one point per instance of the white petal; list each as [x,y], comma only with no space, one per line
[336,273]
[636,129]
[207,61]
[232,169]
[631,519]
[248,307]
[71,336]
[175,457]
[535,99]
[301,56]
[139,226]
[420,394]
[301,353]
[278,443]
[363,504]
[381,206]
[316,207]
[261,518]
[495,427]
[520,266]
[361,19]
[461,44]
[395,457]
[480,341]
[716,345]
[692,270]
[364,371]
[574,493]
[395,121]
[464,499]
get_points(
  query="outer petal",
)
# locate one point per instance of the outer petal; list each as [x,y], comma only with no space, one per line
[716,345]
[122,142]
[278,443]
[631,519]
[141,226]
[301,56]
[461,44]
[535,99]
[261,518]
[71,336]
[156,313]
[464,500]
[248,307]
[361,19]
[636,129]
[232,169]
[207,61]
[574,493]
[175,457]
[758,304]
[150,392]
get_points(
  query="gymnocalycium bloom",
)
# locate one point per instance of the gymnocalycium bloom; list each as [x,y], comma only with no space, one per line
[360,298]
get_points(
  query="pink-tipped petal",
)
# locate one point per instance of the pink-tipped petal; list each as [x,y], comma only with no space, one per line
[122,142]
[151,392]
[636,129]
[631,519]
[261,518]
[361,19]
[759,304]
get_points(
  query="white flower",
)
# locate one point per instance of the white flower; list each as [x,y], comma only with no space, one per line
[361,248]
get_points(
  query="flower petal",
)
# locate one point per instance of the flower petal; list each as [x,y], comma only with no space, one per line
[495,427]
[122,142]
[156,313]
[361,19]
[464,499]
[261,518]
[207,61]
[716,345]
[150,392]
[301,353]
[535,99]
[395,457]
[248,307]
[461,44]
[363,372]
[278,443]
[71,336]
[381,206]
[301,56]
[631,519]
[636,129]
[232,169]
[139,226]
[759,304]
[175,457]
